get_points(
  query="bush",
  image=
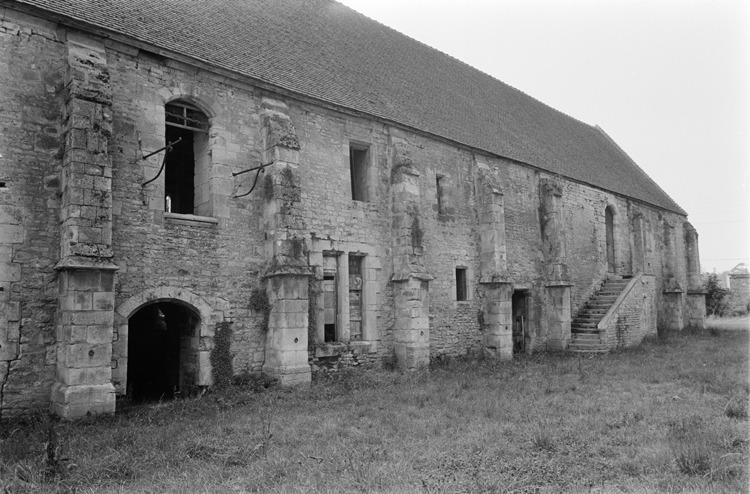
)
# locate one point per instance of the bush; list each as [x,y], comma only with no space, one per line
[716,297]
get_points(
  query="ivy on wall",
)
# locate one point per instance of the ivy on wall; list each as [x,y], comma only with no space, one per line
[221,355]
[260,304]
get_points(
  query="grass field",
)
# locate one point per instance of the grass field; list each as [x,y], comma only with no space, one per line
[668,416]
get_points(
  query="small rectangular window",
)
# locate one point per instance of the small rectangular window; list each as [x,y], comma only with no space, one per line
[358,163]
[461,289]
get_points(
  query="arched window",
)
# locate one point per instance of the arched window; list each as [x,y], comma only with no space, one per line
[609,222]
[186,172]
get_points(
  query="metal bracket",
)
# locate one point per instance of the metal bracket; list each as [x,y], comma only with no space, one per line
[260,169]
[168,147]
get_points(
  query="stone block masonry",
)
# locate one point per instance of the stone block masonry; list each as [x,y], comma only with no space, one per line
[425,244]
[31,67]
[85,316]
[632,316]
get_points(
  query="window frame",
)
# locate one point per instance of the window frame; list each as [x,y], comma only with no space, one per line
[186,117]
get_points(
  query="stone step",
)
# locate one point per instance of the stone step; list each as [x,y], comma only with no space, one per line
[584,330]
[594,312]
[589,317]
[587,350]
[587,343]
[608,293]
[586,339]
[583,325]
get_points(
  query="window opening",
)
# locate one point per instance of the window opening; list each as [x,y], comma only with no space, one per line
[461,290]
[185,189]
[440,184]
[358,160]
[329,307]
[520,310]
[610,240]
[355,297]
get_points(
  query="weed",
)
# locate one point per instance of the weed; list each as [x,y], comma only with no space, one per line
[736,408]
[468,425]
[543,441]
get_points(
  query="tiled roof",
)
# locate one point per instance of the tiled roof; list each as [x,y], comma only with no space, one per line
[329,52]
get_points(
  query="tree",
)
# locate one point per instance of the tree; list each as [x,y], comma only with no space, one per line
[716,296]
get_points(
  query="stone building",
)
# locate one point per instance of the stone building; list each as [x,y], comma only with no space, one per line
[739,289]
[320,187]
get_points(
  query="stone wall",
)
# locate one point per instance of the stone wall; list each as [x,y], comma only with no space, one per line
[632,316]
[739,292]
[429,207]
[31,77]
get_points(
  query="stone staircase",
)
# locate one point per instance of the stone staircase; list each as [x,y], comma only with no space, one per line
[585,337]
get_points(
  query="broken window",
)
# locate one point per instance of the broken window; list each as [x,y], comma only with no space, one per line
[461,287]
[186,171]
[359,158]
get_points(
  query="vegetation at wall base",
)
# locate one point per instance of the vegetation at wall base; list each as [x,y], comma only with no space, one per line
[669,415]
[717,303]
[221,355]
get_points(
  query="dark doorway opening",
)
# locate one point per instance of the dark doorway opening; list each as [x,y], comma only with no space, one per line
[520,310]
[159,351]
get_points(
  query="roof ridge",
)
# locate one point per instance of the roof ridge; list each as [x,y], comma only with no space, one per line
[632,161]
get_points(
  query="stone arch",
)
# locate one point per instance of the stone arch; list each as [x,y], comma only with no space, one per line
[193,95]
[209,314]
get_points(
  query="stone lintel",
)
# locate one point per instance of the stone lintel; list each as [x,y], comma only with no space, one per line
[558,284]
[497,279]
[85,263]
[697,292]
[410,275]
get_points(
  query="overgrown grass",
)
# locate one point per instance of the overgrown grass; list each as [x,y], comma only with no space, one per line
[666,416]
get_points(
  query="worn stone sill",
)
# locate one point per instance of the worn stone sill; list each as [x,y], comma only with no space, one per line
[190,220]
[463,304]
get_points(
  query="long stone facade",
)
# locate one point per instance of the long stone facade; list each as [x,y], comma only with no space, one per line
[321,236]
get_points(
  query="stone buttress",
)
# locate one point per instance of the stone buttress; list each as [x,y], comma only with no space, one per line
[672,313]
[410,279]
[497,290]
[555,265]
[85,314]
[287,271]
[696,294]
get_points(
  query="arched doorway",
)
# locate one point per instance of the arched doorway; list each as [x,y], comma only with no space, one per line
[609,222]
[161,356]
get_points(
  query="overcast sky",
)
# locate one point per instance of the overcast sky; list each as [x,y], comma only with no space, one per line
[667,79]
